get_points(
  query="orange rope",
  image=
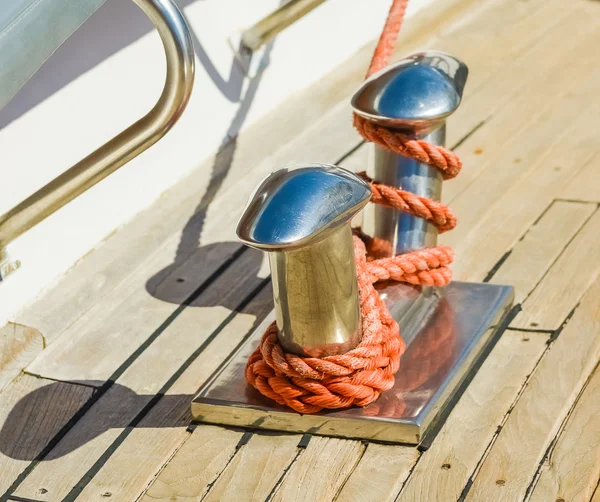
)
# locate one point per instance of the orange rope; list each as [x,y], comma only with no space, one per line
[435,212]
[436,272]
[387,40]
[438,156]
[310,384]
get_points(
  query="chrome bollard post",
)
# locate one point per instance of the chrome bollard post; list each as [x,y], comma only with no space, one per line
[301,217]
[414,95]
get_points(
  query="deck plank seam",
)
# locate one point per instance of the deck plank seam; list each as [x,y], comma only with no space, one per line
[505,256]
[492,272]
[556,333]
[595,491]
[217,476]
[531,330]
[281,479]
[70,382]
[190,429]
[471,132]
[365,445]
[546,457]
[95,468]
[350,152]
[578,201]
[503,421]
[22,499]
[539,218]
[410,472]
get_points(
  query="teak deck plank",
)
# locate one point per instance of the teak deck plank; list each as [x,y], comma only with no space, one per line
[533,120]
[512,96]
[572,468]
[527,133]
[329,460]
[256,468]
[515,456]
[195,466]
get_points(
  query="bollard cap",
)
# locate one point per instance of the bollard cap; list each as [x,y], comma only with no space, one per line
[416,93]
[296,207]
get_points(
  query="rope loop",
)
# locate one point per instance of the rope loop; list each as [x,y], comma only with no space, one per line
[309,384]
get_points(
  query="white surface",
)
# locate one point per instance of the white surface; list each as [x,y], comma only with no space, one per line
[109,74]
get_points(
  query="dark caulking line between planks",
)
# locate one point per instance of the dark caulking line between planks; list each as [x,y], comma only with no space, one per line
[470,133]
[349,153]
[22,499]
[284,474]
[365,445]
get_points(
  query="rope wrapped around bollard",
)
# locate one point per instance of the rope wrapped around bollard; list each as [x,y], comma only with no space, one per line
[358,377]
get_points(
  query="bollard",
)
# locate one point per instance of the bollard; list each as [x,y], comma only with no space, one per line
[415,96]
[301,217]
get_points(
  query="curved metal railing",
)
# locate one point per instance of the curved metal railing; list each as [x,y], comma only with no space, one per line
[137,138]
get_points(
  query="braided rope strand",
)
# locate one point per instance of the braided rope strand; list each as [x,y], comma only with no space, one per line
[437,213]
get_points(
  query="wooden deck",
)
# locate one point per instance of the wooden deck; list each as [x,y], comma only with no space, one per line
[96,377]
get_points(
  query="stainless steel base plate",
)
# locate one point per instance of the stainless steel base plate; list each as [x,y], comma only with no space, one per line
[447,332]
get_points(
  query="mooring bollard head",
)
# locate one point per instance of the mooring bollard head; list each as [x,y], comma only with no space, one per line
[302,218]
[296,207]
[416,93]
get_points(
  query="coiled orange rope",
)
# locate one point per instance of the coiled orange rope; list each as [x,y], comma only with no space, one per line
[310,384]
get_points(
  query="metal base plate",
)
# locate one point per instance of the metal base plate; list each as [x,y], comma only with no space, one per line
[447,332]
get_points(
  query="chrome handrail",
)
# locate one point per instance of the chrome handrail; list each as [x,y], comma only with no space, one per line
[138,137]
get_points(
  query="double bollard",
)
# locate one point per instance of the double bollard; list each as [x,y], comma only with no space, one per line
[302,217]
